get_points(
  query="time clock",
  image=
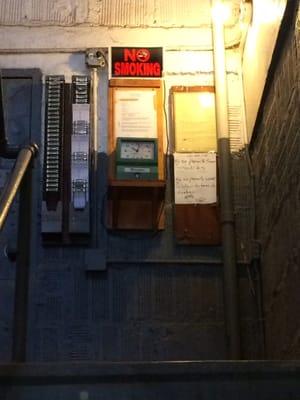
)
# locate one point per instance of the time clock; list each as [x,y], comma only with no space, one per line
[136,158]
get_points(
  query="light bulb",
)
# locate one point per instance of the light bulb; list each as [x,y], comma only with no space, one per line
[206,99]
[221,12]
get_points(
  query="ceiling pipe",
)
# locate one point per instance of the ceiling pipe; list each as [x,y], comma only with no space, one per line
[226,189]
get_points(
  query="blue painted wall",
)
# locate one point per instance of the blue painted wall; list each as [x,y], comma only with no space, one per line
[155,301]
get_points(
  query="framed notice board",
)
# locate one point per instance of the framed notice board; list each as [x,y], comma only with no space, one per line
[196,211]
[135,111]
[194,119]
[136,156]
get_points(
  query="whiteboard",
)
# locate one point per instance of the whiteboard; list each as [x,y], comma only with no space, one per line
[195,176]
[135,113]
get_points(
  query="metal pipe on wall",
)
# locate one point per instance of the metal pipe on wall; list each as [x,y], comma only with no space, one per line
[226,190]
[94,84]
[95,60]
[21,177]
[20,320]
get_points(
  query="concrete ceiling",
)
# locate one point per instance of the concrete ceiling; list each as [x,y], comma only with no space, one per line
[117,14]
[113,13]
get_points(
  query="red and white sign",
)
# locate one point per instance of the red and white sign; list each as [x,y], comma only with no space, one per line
[134,62]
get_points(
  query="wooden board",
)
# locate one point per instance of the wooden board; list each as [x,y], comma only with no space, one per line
[136,204]
[134,85]
[197,224]
[194,121]
[195,132]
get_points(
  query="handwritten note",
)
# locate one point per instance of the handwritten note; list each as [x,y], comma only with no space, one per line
[195,178]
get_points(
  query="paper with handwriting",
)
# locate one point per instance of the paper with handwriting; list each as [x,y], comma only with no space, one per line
[195,178]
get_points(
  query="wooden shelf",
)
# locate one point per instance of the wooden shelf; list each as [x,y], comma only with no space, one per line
[197,224]
[137,183]
[136,205]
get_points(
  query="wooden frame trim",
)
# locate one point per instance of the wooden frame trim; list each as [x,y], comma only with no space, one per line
[135,83]
[187,89]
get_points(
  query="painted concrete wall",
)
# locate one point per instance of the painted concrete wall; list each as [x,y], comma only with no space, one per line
[276,164]
[164,303]
[105,12]
[71,26]
[147,309]
[181,67]
[129,13]
[261,39]
[27,25]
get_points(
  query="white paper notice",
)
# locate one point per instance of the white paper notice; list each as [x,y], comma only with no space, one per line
[135,113]
[195,178]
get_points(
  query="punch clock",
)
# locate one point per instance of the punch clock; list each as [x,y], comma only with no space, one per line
[136,158]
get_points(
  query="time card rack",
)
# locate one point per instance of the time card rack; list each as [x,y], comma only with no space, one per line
[66,186]
[53,155]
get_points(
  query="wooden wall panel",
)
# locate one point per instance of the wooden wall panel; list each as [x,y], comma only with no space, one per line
[197,224]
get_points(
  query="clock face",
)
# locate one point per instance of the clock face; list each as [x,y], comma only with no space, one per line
[138,150]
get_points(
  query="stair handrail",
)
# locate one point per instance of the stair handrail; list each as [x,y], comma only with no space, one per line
[25,155]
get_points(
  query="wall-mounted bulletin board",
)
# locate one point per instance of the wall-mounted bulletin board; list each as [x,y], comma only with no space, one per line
[136,198]
[196,212]
[194,119]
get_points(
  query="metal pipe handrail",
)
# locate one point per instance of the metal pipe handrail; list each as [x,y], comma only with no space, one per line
[10,190]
